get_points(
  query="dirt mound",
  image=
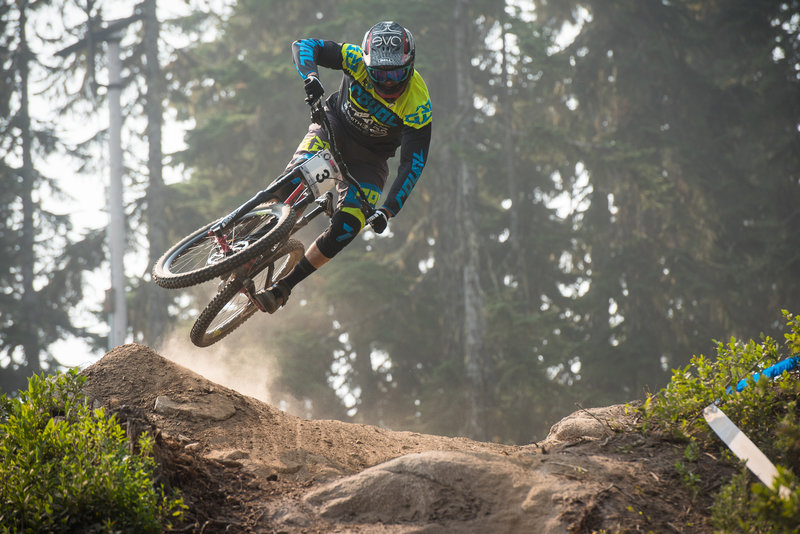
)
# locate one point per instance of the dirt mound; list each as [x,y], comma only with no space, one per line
[245,466]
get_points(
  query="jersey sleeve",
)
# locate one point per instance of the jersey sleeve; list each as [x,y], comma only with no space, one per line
[413,156]
[307,54]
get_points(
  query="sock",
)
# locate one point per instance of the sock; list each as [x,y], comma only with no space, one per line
[299,273]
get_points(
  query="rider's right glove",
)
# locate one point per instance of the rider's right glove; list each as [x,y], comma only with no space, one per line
[379,220]
[314,89]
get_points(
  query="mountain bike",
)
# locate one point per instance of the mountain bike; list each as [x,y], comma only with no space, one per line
[252,247]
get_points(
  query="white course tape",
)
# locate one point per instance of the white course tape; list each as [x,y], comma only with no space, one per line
[738,442]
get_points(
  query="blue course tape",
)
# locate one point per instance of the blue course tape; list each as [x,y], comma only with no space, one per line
[772,371]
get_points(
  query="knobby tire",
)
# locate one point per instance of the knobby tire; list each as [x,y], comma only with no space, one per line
[203,335]
[167,275]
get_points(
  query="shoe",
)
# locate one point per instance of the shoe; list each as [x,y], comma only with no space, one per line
[274,297]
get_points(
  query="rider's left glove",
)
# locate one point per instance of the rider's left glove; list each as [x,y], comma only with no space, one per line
[314,89]
[380,220]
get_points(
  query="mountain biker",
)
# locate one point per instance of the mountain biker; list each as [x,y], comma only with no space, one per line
[382,104]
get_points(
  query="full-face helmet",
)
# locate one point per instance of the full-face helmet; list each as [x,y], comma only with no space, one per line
[388,52]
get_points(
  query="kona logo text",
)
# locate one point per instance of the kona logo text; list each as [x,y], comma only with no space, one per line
[375,108]
[417,164]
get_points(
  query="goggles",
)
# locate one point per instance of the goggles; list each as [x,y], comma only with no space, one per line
[391,75]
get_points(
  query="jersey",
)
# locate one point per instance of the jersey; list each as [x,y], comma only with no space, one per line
[374,123]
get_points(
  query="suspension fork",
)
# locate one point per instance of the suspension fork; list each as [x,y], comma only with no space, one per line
[294,199]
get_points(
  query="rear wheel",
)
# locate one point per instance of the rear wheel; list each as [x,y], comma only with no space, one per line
[232,306]
[199,257]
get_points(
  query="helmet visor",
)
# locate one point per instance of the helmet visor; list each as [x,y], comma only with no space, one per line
[396,75]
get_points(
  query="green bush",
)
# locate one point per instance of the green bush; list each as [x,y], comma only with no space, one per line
[766,411]
[65,467]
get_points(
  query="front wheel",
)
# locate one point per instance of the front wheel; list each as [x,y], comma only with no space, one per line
[199,256]
[232,306]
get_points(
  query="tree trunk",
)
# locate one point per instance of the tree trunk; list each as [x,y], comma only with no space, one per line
[31,344]
[156,299]
[517,262]
[474,320]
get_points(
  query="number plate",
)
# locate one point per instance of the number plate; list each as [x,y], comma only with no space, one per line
[320,172]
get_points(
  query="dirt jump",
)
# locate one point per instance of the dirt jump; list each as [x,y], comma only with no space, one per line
[246,466]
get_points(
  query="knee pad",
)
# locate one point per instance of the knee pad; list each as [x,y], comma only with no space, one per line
[344,227]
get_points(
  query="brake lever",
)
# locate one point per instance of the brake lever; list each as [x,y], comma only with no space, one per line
[316,109]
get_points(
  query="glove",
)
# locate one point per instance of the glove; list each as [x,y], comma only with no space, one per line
[379,220]
[314,89]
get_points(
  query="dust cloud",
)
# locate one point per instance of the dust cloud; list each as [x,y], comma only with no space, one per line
[238,363]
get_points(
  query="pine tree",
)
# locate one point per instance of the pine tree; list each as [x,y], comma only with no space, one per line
[672,116]
[42,266]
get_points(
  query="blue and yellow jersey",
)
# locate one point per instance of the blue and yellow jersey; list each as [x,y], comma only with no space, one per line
[376,124]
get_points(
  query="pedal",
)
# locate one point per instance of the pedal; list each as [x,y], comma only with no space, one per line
[250,290]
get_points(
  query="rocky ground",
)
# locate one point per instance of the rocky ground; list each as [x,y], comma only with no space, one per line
[245,466]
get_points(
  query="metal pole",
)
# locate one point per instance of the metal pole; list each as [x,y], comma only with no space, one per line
[116,230]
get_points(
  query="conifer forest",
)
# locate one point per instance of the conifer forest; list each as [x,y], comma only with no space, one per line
[612,187]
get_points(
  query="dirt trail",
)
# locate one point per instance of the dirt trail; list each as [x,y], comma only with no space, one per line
[245,466]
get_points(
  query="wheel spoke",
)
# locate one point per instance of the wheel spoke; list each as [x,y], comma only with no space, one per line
[235,307]
[196,257]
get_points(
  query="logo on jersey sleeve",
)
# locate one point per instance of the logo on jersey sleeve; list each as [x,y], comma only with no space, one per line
[314,144]
[306,48]
[420,116]
[352,58]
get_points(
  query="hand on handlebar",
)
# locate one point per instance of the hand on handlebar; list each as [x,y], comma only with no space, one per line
[314,89]
[379,220]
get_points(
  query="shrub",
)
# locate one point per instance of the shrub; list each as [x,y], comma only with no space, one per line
[65,467]
[766,411]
